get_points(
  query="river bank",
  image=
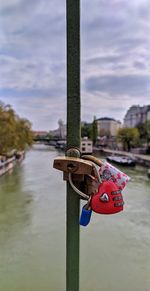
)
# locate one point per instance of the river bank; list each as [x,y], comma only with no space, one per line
[7,163]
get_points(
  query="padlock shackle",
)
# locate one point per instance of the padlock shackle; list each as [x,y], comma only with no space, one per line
[92,159]
[76,189]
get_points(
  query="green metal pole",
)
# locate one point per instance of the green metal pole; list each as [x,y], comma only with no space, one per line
[73,140]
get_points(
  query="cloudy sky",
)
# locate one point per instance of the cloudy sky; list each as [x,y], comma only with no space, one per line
[115,58]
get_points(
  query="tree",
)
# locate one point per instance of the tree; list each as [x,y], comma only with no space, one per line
[49,136]
[94,130]
[129,137]
[86,130]
[147,126]
[90,130]
[15,132]
[24,134]
[7,129]
[144,131]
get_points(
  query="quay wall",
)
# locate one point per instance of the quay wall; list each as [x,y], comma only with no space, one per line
[9,163]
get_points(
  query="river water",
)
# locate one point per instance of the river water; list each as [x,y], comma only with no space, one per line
[115,250]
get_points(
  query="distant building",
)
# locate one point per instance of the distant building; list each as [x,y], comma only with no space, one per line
[61,131]
[107,126]
[86,146]
[137,114]
[40,133]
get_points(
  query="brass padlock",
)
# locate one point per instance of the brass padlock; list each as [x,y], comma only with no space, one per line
[76,166]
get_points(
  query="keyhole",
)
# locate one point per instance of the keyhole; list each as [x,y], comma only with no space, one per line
[72,168]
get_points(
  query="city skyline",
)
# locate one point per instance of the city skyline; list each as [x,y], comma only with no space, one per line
[115,63]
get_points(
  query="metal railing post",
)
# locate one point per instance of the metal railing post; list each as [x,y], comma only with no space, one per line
[73,140]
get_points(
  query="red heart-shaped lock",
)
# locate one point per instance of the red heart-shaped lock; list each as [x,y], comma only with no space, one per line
[108,199]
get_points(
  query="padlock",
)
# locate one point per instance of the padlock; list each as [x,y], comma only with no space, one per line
[76,166]
[86,213]
[108,199]
[77,171]
[85,216]
[73,165]
[109,172]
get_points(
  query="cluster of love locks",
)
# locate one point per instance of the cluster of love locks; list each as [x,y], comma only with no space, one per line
[108,199]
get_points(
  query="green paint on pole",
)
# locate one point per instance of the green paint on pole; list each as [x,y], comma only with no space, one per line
[73,140]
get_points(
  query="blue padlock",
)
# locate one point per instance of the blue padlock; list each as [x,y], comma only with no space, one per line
[85,216]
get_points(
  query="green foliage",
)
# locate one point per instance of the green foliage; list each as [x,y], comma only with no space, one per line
[86,130]
[90,130]
[129,137]
[49,137]
[144,131]
[94,130]
[23,134]
[147,125]
[15,132]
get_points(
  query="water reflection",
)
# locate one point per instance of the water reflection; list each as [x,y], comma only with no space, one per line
[14,210]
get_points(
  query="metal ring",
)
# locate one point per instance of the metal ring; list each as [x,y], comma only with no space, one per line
[73,152]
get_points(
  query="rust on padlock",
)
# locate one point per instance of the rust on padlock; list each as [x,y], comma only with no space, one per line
[73,165]
[75,177]
[91,185]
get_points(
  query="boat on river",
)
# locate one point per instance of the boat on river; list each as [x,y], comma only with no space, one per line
[122,160]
